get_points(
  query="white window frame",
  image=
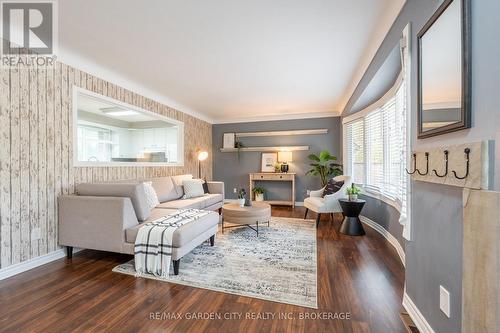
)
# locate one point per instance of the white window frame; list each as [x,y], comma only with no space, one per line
[77,91]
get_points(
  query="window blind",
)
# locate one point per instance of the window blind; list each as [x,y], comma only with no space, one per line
[376,149]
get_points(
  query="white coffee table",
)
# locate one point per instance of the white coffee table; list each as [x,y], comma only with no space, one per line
[249,216]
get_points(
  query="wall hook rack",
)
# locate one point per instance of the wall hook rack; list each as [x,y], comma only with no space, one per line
[446,152]
[427,165]
[467,153]
[414,165]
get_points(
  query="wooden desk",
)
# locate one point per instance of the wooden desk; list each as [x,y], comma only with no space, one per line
[274,176]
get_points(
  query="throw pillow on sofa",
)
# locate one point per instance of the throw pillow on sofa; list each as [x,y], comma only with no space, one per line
[332,187]
[193,188]
[151,197]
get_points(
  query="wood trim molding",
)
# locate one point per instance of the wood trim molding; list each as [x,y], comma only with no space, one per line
[415,314]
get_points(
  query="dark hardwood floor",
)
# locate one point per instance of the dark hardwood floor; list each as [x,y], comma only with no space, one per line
[361,276]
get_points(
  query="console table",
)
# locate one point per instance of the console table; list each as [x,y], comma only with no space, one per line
[278,177]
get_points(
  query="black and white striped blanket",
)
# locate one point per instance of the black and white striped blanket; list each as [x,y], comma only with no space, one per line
[153,245]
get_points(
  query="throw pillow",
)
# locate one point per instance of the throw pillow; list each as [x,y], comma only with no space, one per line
[205,187]
[193,188]
[332,186]
[151,197]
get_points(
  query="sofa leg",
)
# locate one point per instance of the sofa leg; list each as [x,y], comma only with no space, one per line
[317,219]
[305,215]
[212,240]
[69,252]
[176,266]
[220,211]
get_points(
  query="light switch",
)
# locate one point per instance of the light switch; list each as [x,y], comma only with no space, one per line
[444,301]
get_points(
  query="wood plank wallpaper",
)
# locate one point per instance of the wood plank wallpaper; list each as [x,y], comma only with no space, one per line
[36,149]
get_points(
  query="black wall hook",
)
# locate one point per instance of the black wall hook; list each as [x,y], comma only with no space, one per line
[414,165]
[446,165]
[427,166]
[467,152]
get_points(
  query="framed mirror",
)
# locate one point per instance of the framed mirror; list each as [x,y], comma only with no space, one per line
[108,132]
[444,70]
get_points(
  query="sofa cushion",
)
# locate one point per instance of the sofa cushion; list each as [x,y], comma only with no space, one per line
[212,199]
[165,188]
[134,191]
[193,188]
[184,234]
[178,183]
[151,196]
[198,203]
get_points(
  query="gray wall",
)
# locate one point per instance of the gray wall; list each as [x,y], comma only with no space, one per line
[385,215]
[434,256]
[234,173]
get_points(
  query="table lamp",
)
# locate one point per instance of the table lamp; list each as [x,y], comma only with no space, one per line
[284,157]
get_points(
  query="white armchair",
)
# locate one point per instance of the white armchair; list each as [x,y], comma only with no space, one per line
[329,203]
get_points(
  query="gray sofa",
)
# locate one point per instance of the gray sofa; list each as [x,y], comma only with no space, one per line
[107,216]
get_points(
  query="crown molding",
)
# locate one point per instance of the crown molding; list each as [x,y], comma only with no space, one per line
[274,117]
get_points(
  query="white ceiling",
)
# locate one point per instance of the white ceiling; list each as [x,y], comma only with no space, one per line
[229,60]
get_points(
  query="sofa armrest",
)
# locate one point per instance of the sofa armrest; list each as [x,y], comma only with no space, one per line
[97,223]
[216,187]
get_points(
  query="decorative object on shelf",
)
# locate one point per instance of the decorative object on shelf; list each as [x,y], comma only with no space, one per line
[446,152]
[259,193]
[284,157]
[467,153]
[444,65]
[414,156]
[201,155]
[229,140]
[427,165]
[268,162]
[353,192]
[241,197]
[324,166]
[277,167]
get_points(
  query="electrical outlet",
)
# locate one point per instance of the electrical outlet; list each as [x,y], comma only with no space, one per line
[444,301]
[36,234]
[235,190]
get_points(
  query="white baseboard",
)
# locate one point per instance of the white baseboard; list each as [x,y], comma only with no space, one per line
[415,314]
[32,263]
[390,238]
[297,203]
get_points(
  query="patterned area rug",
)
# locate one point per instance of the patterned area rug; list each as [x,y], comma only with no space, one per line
[279,265]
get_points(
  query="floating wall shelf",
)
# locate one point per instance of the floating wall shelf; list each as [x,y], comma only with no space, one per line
[245,149]
[283,133]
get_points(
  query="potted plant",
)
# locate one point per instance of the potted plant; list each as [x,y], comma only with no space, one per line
[241,197]
[259,193]
[353,192]
[324,166]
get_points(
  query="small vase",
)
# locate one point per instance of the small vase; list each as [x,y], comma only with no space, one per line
[353,197]
[241,202]
[259,196]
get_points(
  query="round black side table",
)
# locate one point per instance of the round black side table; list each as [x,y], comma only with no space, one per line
[352,225]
